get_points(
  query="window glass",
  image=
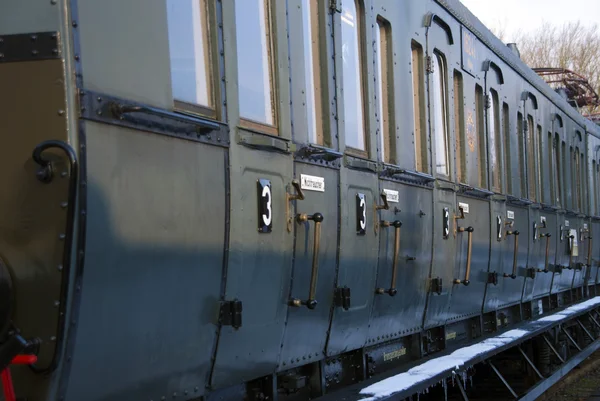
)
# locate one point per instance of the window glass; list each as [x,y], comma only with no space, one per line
[494,141]
[352,75]
[563,162]
[189,47]
[255,61]
[522,166]
[312,70]
[507,149]
[459,127]
[529,137]
[440,114]
[539,163]
[480,127]
[574,179]
[595,187]
[556,160]
[385,90]
[421,152]
[582,184]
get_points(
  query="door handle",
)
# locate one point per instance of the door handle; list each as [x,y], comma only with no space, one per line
[571,238]
[376,207]
[392,290]
[469,230]
[547,235]
[516,251]
[311,302]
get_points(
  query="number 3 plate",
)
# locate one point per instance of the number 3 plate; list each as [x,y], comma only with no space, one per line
[265,207]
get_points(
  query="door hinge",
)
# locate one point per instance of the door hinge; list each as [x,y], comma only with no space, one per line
[342,297]
[333,5]
[428,65]
[231,313]
[436,285]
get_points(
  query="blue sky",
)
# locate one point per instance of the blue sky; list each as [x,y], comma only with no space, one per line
[529,14]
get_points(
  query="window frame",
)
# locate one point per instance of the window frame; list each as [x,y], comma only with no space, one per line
[385,106]
[443,69]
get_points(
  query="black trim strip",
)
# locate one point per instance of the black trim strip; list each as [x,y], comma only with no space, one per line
[32,46]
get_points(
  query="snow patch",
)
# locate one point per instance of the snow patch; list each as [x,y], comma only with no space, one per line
[459,358]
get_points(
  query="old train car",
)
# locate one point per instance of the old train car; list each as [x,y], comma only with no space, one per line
[263,199]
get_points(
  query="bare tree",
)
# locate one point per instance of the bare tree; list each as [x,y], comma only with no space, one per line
[572,46]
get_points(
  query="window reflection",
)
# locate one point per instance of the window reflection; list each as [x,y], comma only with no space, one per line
[494,140]
[254,59]
[189,47]
[440,115]
[312,78]
[385,90]
[352,76]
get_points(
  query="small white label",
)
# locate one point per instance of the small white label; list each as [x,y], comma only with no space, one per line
[392,196]
[566,223]
[541,307]
[464,206]
[312,183]
[574,245]
[510,214]
[542,219]
[585,227]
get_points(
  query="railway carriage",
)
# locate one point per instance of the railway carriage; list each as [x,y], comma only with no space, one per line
[264,199]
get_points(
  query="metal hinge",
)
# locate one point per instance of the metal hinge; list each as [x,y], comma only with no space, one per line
[493,278]
[428,65]
[342,297]
[231,313]
[333,6]
[436,285]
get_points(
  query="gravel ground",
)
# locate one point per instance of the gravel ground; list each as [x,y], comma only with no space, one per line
[582,384]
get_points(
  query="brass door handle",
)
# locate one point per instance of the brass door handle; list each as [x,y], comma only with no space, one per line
[376,207]
[392,290]
[469,230]
[311,302]
[299,195]
[547,235]
[516,251]
[589,255]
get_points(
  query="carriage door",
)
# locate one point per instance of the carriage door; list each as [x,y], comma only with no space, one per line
[360,199]
[497,128]
[313,195]
[441,52]
[472,229]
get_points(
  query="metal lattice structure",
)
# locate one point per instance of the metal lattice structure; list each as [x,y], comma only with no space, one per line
[580,93]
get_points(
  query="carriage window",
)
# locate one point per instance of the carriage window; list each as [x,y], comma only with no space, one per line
[190,53]
[312,70]
[556,160]
[582,184]
[507,149]
[494,141]
[595,187]
[255,61]
[529,137]
[479,126]
[551,162]
[521,144]
[353,75]
[459,127]
[421,163]
[440,114]
[563,163]
[539,163]
[574,179]
[385,90]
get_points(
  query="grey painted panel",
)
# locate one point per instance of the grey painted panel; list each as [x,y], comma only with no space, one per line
[306,330]
[258,272]
[24,16]
[543,281]
[358,263]
[437,304]
[532,254]
[129,63]
[497,254]
[468,300]
[403,313]
[512,289]
[153,272]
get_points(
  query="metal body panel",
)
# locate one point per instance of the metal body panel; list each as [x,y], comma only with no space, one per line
[306,330]
[437,303]
[497,255]
[33,219]
[259,269]
[512,288]
[402,314]
[467,300]
[358,262]
[153,272]
[30,16]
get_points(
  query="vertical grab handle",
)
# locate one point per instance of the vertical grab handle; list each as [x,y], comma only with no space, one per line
[469,230]
[516,251]
[311,302]
[589,255]
[392,290]
[547,235]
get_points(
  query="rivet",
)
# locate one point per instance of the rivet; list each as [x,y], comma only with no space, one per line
[64,204]
[56,303]
[62,236]
[77,57]
[74,23]
[1,55]
[61,112]
[33,38]
[196,389]
[163,398]
[174,395]
[34,52]
[60,267]
[53,338]
[52,2]
[63,174]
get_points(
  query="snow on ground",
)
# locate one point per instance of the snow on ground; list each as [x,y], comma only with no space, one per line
[458,358]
